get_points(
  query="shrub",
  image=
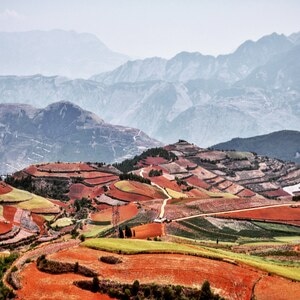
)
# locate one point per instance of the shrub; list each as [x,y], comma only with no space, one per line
[110,260]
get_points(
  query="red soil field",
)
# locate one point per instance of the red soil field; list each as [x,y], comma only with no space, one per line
[44,286]
[128,197]
[276,193]
[197,193]
[4,188]
[59,203]
[230,281]
[126,212]
[154,161]
[246,193]
[65,167]
[194,180]
[101,180]
[39,220]
[270,287]
[5,227]
[285,214]
[79,191]
[186,163]
[148,230]
[165,183]
[9,213]
[144,190]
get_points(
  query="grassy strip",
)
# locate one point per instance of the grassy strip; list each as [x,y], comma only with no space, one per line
[128,246]
[36,202]
[16,195]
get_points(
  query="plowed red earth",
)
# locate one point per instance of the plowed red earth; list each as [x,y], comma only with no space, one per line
[154,161]
[65,167]
[285,214]
[101,180]
[126,212]
[5,227]
[194,180]
[79,191]
[165,183]
[117,194]
[270,287]
[148,230]
[4,188]
[44,286]
[9,213]
[277,193]
[39,222]
[231,281]
[246,193]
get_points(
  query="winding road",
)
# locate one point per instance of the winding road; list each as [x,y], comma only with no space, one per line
[162,209]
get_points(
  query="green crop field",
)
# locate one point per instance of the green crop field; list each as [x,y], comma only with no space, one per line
[128,246]
[62,222]
[36,202]
[16,195]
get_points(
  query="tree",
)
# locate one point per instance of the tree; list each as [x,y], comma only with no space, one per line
[206,292]
[128,232]
[135,288]
[121,233]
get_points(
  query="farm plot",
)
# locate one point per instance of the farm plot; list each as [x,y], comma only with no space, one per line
[285,215]
[44,286]
[148,230]
[126,212]
[4,188]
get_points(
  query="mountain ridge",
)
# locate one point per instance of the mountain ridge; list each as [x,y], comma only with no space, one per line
[63,131]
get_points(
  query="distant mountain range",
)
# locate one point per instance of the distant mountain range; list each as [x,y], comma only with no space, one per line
[284,145]
[203,99]
[55,52]
[63,132]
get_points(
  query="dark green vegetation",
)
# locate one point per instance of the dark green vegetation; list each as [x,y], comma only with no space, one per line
[281,144]
[154,173]
[202,229]
[148,291]
[5,263]
[52,188]
[131,164]
[134,177]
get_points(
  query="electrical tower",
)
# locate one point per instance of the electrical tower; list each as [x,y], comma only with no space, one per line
[116,217]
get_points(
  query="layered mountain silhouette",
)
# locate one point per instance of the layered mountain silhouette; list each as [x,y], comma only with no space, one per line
[55,52]
[202,99]
[62,132]
[283,144]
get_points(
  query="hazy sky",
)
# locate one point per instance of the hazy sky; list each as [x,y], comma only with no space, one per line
[143,28]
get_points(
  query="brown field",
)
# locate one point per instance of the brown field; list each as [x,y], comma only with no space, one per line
[148,230]
[4,188]
[168,268]
[286,215]
[186,163]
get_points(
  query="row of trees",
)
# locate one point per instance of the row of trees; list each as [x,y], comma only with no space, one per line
[134,177]
[131,164]
[128,233]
